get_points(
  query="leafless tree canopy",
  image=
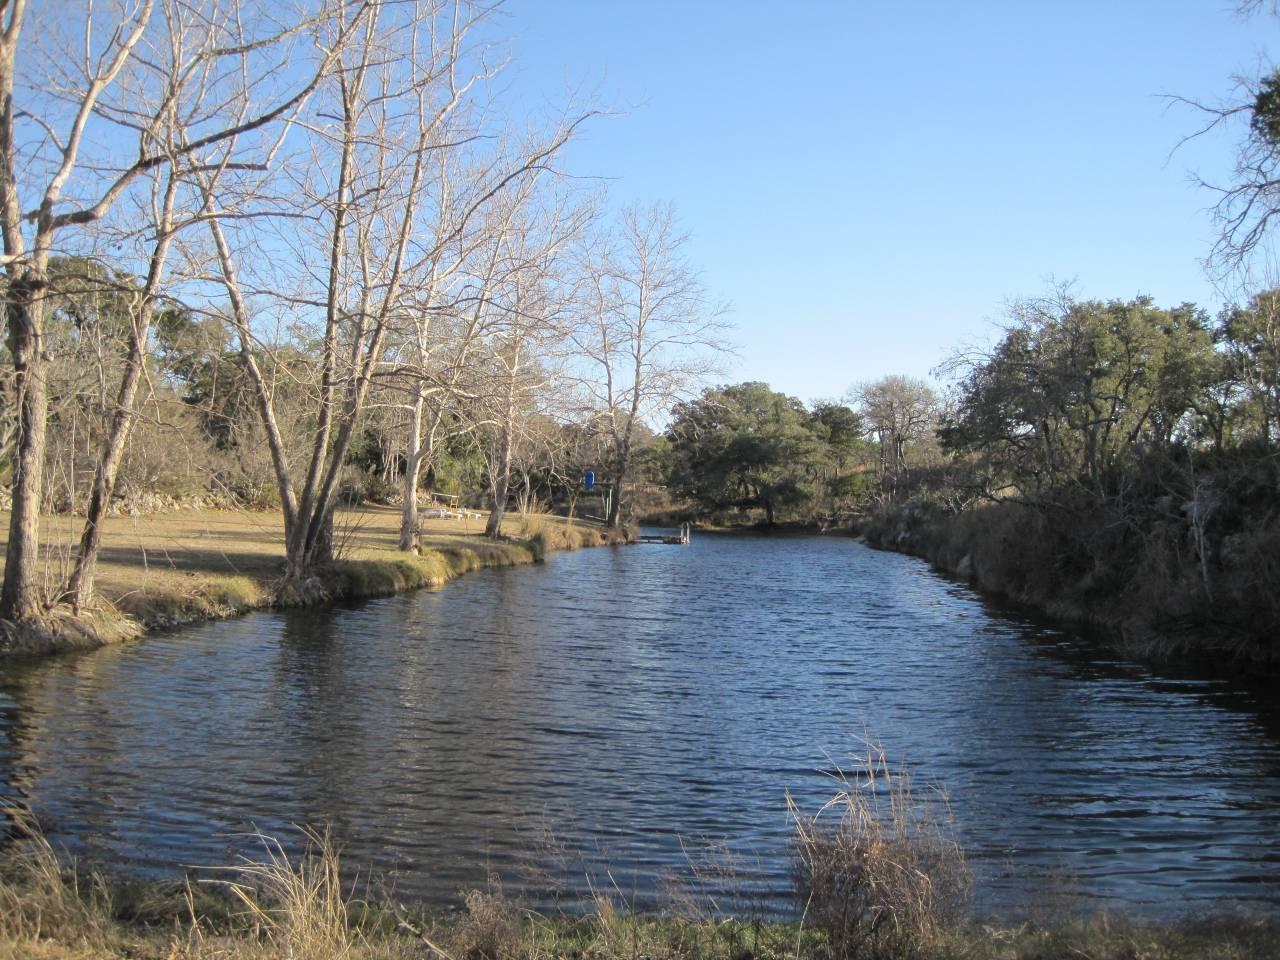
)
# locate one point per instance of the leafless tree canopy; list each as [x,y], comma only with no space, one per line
[310,235]
[1248,200]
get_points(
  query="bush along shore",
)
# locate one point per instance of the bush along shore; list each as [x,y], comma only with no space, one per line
[1150,576]
[183,566]
[877,877]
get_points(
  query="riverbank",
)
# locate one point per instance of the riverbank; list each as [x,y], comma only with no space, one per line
[162,570]
[1148,597]
[301,908]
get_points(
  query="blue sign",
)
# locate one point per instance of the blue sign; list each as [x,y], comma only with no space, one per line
[589,480]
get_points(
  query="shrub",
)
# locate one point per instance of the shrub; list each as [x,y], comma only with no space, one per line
[491,929]
[878,870]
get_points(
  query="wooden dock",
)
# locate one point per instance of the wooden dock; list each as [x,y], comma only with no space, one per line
[678,539]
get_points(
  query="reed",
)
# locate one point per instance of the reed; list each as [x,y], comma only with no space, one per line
[878,868]
[41,899]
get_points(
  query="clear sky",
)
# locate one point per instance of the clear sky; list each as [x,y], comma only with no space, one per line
[868,183]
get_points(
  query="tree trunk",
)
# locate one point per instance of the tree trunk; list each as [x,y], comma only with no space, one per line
[261,392]
[305,555]
[524,498]
[615,505]
[19,597]
[80,584]
[620,473]
[493,527]
[412,466]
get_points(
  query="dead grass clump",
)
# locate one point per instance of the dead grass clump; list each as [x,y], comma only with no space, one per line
[878,869]
[533,525]
[41,899]
[299,907]
[225,595]
[547,535]
[491,929]
[1112,937]
[60,630]
[394,573]
[433,567]
[460,560]
[552,540]
[376,578]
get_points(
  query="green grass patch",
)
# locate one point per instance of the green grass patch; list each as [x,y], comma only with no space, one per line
[433,567]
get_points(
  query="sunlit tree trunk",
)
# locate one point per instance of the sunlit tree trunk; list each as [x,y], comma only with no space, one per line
[79,587]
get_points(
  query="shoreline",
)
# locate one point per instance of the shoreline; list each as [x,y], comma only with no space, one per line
[305,906]
[166,570]
[1109,620]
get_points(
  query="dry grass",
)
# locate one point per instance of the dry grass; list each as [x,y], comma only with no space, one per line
[300,908]
[878,868]
[277,908]
[492,928]
[547,534]
[171,568]
[40,899]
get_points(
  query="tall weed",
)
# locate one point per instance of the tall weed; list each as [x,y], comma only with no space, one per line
[878,869]
[41,898]
[300,906]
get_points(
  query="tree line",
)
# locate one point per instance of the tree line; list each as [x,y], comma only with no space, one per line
[746,451]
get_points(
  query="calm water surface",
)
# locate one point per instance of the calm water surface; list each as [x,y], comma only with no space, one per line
[622,708]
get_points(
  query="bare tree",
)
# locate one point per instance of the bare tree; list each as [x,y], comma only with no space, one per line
[88,83]
[532,312]
[1247,8]
[361,182]
[426,331]
[450,310]
[193,88]
[899,411]
[1248,202]
[649,337]
[362,179]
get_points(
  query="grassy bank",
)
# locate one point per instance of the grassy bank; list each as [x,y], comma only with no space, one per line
[165,569]
[300,908]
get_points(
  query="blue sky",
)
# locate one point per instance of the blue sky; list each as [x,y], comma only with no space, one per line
[868,183]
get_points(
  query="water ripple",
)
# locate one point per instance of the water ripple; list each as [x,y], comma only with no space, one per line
[612,709]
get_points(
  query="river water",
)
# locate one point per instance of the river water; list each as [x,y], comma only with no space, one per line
[618,717]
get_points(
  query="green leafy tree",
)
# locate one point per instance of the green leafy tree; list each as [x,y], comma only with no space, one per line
[744,447]
[1073,389]
[1251,335]
[843,430]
